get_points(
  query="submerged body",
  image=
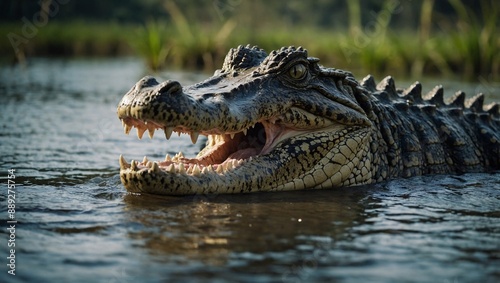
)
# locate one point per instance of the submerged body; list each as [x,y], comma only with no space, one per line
[283,122]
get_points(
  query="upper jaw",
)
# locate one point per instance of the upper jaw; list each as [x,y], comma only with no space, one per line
[215,106]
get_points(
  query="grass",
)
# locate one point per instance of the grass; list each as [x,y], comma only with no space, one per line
[151,45]
[476,41]
[468,48]
[66,39]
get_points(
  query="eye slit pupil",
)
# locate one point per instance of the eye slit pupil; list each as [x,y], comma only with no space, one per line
[298,71]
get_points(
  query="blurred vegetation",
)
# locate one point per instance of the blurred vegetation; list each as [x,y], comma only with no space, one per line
[413,38]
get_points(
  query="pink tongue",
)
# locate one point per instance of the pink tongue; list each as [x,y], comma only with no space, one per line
[244,153]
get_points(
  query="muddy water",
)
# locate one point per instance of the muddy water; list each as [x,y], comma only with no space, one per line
[75,222]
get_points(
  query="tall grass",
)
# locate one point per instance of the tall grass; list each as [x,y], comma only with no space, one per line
[181,44]
[476,41]
[418,63]
[150,43]
[467,46]
[67,39]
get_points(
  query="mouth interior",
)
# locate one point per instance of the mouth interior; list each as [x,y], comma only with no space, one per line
[248,145]
[221,153]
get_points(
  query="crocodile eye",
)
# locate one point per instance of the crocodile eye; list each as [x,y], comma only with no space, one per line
[298,71]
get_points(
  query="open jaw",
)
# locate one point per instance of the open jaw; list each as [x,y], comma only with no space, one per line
[224,154]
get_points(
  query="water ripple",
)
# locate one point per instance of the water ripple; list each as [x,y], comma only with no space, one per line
[76,223]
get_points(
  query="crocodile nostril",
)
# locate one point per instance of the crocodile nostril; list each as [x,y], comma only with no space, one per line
[169,87]
[145,82]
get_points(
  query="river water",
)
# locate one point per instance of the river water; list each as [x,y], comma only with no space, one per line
[75,222]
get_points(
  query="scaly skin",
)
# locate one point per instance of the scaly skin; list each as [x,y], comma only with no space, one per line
[283,122]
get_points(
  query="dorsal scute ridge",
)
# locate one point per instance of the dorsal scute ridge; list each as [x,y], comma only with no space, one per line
[475,103]
[457,100]
[387,85]
[369,83]
[414,92]
[436,96]
[493,109]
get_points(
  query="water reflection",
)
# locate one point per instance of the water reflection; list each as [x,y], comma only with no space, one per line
[381,231]
[212,228]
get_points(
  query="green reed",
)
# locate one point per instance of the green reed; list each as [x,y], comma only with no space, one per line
[467,46]
[475,41]
[150,43]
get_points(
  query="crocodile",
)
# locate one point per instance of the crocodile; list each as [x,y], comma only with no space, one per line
[281,121]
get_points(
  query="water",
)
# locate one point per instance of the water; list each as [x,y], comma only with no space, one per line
[76,223]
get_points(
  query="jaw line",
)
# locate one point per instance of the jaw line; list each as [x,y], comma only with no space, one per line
[224,150]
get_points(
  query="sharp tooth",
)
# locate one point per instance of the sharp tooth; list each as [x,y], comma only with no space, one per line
[145,160]
[210,168]
[182,170]
[241,161]
[151,132]
[235,163]
[149,164]
[228,165]
[133,165]
[178,157]
[250,159]
[245,132]
[219,169]
[232,135]
[171,168]
[140,132]
[155,167]
[123,162]
[196,170]
[168,132]
[189,170]
[194,137]
[127,129]
[205,170]
[168,158]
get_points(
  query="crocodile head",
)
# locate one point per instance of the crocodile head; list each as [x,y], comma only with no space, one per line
[274,122]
